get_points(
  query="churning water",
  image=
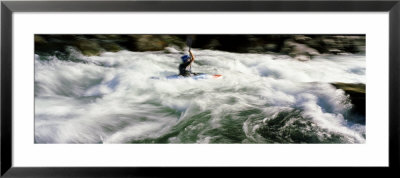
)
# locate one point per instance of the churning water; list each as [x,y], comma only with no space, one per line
[261,98]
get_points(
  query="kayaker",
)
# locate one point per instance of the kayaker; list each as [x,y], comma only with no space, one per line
[185,66]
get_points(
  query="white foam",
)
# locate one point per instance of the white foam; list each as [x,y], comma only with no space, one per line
[113,99]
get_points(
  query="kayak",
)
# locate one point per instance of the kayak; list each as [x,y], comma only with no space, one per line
[199,76]
[195,77]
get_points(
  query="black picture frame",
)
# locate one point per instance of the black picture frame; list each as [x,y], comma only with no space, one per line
[8,7]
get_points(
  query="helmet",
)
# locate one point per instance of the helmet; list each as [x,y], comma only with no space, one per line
[185,58]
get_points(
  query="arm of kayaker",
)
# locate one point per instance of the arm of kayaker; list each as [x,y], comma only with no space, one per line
[191,54]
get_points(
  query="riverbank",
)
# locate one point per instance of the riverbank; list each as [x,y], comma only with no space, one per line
[300,47]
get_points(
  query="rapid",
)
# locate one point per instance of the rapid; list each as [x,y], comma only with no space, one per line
[261,98]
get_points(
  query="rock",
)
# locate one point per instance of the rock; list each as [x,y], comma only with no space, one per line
[349,37]
[301,38]
[150,43]
[329,42]
[271,47]
[213,44]
[112,47]
[357,97]
[256,49]
[352,44]
[334,51]
[172,49]
[40,40]
[302,57]
[344,43]
[294,49]
[88,47]
[297,46]
[108,37]
[153,42]
[175,41]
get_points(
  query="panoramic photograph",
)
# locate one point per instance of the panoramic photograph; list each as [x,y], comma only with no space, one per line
[199,89]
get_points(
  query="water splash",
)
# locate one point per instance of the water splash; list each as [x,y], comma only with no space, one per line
[262,98]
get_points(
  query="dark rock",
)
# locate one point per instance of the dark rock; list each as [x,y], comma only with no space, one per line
[356,93]
[271,47]
[153,42]
[88,47]
[334,51]
[302,57]
[39,40]
[112,47]
[150,43]
[298,51]
[302,47]
[213,44]
[172,49]
[301,38]
[344,43]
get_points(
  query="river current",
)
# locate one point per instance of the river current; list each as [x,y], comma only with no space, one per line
[260,98]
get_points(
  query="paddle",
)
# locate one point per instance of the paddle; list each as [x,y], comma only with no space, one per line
[189,43]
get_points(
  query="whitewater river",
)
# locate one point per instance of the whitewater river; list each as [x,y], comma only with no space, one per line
[261,98]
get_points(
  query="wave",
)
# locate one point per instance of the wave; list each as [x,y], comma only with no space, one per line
[261,98]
